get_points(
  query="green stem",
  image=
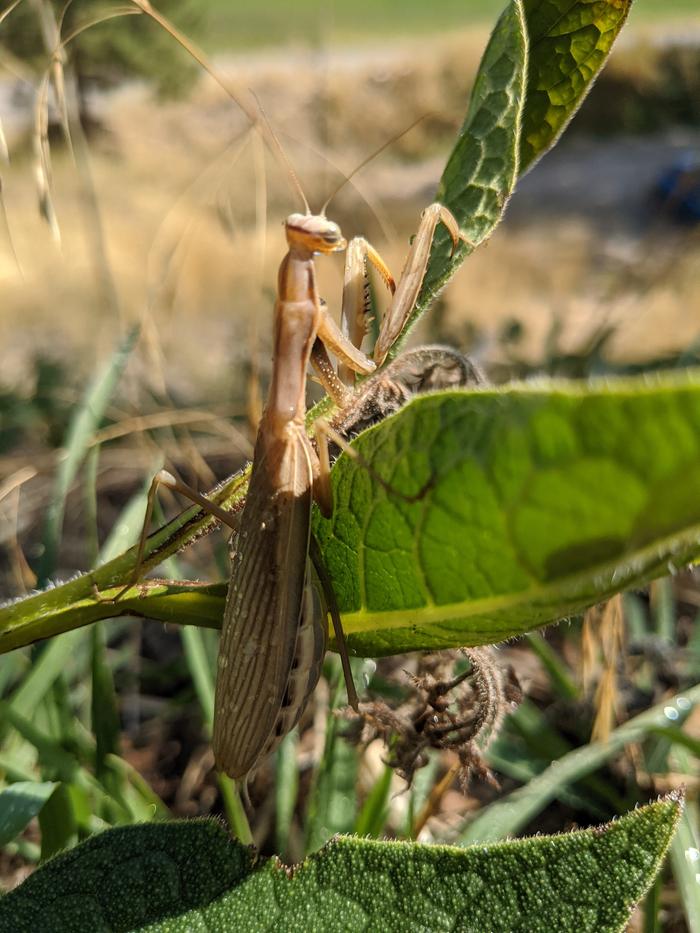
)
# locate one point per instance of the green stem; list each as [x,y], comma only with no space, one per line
[92,596]
[235,811]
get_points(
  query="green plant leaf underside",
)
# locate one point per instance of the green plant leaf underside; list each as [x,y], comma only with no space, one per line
[190,876]
[528,505]
[541,60]
[483,166]
[569,44]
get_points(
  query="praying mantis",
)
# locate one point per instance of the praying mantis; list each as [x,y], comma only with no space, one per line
[273,636]
[274,628]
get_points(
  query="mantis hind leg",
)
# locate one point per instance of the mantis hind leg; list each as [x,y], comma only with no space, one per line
[411,280]
[164,478]
[332,604]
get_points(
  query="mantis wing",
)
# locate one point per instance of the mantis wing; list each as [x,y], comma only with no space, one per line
[265,606]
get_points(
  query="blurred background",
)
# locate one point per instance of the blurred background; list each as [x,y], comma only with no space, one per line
[167,214]
[599,237]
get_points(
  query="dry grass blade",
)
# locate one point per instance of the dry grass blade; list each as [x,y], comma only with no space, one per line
[4,151]
[54,77]
[432,804]
[611,632]
[178,229]
[22,574]
[17,479]
[10,491]
[116,13]
[245,100]
[6,225]
[42,159]
[51,32]
[589,647]
[9,9]
[164,419]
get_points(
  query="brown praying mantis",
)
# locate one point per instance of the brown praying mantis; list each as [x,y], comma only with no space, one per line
[273,636]
[274,629]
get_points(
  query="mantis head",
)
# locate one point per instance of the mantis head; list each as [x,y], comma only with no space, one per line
[315,233]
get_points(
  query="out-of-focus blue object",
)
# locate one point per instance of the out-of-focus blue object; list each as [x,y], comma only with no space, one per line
[677,189]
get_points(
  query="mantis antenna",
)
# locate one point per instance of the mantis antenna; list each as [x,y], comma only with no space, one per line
[255,113]
[368,159]
[296,184]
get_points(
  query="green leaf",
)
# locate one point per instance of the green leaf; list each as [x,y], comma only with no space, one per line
[45,669]
[286,791]
[201,673]
[103,705]
[333,799]
[508,815]
[490,513]
[539,64]
[371,820]
[569,44]
[142,801]
[127,529]
[58,822]
[555,666]
[83,425]
[124,878]
[483,166]
[685,861]
[49,752]
[20,803]
[190,876]
[541,743]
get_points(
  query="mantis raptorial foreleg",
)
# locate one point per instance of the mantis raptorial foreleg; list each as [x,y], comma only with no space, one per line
[355,306]
[408,289]
[340,393]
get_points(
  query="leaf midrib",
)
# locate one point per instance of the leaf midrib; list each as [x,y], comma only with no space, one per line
[365,621]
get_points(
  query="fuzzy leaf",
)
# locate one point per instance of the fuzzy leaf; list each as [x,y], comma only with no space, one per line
[540,63]
[526,505]
[190,876]
[569,44]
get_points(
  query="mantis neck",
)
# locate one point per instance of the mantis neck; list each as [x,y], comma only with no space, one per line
[297,313]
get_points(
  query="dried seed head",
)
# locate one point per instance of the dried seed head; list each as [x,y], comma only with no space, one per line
[448,709]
